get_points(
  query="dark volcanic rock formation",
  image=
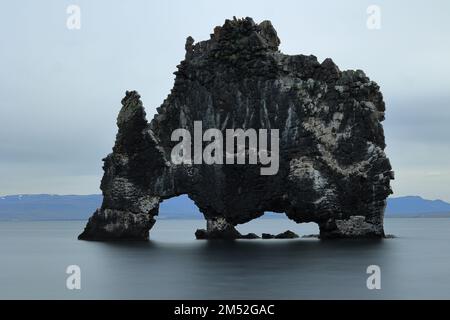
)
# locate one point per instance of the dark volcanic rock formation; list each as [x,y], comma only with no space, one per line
[332,170]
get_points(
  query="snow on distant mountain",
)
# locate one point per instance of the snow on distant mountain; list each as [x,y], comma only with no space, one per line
[48,207]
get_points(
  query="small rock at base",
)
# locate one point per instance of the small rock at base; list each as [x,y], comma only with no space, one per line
[250,236]
[201,234]
[287,235]
[311,236]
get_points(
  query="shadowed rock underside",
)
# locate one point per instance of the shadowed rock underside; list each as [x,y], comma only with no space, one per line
[332,170]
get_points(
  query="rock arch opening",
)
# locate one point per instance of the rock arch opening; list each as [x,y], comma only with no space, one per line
[179,207]
[272,224]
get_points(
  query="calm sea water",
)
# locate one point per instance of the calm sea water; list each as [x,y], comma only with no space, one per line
[34,257]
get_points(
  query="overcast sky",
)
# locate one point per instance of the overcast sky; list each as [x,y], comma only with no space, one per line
[60,89]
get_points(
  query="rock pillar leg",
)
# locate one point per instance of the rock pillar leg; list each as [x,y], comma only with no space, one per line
[218,228]
[109,224]
[353,227]
[128,185]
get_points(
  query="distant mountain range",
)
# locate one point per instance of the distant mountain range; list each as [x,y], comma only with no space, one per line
[81,207]
[48,207]
[415,206]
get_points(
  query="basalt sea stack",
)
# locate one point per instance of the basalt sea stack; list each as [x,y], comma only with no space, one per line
[332,165]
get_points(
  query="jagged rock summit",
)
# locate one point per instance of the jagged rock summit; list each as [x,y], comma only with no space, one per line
[332,165]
